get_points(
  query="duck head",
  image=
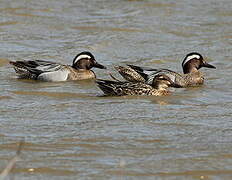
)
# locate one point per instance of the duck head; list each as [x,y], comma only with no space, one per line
[163,81]
[85,60]
[194,61]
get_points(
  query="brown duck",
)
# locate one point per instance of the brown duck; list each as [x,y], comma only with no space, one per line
[159,87]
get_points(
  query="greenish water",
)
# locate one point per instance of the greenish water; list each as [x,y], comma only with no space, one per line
[71,132]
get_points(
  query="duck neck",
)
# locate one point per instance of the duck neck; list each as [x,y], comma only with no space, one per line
[189,69]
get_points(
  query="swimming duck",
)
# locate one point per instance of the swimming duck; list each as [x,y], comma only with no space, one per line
[191,77]
[158,87]
[51,71]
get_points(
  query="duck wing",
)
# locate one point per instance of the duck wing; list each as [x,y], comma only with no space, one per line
[150,73]
[130,74]
[119,88]
[143,71]
[35,67]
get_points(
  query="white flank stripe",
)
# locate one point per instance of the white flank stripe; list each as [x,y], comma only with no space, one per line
[82,57]
[60,75]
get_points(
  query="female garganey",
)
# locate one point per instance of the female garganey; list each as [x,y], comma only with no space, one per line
[158,87]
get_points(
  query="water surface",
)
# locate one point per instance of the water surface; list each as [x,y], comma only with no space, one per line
[71,132]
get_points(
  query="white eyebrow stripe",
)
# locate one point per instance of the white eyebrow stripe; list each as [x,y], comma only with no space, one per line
[83,56]
[191,57]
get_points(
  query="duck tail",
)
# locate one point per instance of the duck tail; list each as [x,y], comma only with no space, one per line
[18,64]
[19,67]
[22,70]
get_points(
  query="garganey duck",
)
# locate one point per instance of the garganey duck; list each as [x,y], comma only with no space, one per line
[158,87]
[191,77]
[52,71]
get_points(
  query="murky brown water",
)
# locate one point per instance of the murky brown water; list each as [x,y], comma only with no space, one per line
[71,132]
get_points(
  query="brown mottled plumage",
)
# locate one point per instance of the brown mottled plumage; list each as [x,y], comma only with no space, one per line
[80,74]
[130,74]
[119,88]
